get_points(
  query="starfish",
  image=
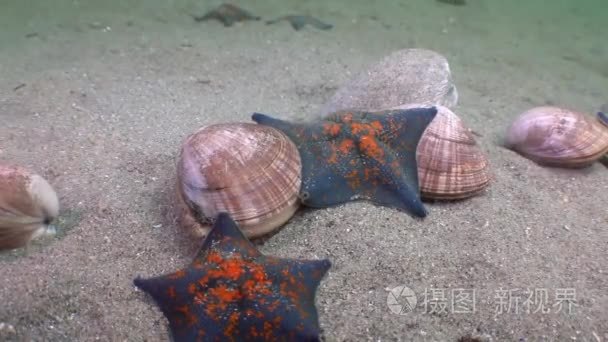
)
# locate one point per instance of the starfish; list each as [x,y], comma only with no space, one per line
[299,21]
[359,155]
[228,14]
[231,291]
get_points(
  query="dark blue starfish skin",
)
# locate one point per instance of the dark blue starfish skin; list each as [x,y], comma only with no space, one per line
[351,155]
[603,118]
[298,22]
[233,292]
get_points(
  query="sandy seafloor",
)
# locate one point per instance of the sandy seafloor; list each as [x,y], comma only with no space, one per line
[112,87]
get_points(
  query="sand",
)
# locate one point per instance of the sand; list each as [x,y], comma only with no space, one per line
[97,96]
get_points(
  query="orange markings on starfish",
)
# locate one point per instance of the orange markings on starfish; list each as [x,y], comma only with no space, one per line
[171,292]
[192,288]
[190,317]
[272,306]
[233,321]
[214,257]
[268,330]
[347,117]
[396,167]
[373,128]
[368,174]
[219,299]
[258,284]
[333,158]
[358,128]
[353,179]
[346,146]
[224,295]
[178,275]
[369,147]
[233,268]
[376,125]
[331,129]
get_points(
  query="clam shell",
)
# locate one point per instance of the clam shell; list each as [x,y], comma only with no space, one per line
[405,76]
[28,204]
[450,163]
[557,137]
[250,171]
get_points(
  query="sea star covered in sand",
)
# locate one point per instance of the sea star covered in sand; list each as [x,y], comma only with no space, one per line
[298,22]
[233,292]
[227,14]
[350,155]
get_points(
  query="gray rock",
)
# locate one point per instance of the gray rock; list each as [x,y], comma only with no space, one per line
[405,76]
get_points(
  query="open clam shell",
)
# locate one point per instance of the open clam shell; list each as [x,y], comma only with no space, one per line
[249,171]
[556,136]
[28,205]
[450,163]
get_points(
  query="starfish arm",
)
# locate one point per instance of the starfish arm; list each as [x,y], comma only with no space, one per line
[297,282]
[170,294]
[226,236]
[294,131]
[410,125]
[322,185]
[398,183]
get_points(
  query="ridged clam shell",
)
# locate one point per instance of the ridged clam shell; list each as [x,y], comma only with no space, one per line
[558,137]
[405,76]
[249,171]
[450,163]
[28,204]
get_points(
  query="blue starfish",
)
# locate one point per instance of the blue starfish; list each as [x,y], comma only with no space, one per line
[352,155]
[233,292]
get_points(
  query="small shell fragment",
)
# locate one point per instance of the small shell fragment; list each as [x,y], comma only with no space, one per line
[28,205]
[252,172]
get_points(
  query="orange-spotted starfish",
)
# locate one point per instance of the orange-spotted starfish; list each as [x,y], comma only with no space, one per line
[351,155]
[233,292]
